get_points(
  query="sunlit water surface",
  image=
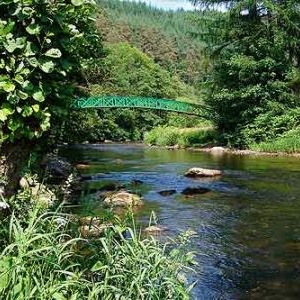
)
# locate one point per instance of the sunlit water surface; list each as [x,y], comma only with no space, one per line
[248,226]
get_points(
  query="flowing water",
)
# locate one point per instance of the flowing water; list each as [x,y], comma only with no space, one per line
[248,227]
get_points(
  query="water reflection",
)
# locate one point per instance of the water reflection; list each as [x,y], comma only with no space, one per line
[248,227]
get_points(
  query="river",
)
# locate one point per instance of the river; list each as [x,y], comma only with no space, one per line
[248,227]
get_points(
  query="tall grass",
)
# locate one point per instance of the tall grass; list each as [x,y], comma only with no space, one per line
[288,142]
[43,260]
[170,136]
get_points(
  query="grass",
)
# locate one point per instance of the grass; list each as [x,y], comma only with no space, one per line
[289,142]
[44,260]
[184,137]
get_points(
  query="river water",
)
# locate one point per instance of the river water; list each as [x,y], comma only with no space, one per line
[248,227]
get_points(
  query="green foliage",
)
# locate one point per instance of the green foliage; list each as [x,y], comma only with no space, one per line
[288,142]
[170,37]
[43,260]
[171,136]
[255,70]
[42,50]
[131,72]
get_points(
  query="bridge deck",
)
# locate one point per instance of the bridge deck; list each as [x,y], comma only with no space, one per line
[140,102]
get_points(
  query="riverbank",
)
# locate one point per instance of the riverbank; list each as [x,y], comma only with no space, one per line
[206,138]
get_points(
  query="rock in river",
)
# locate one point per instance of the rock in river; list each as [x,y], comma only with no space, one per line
[200,172]
[195,191]
[167,193]
[155,229]
[123,199]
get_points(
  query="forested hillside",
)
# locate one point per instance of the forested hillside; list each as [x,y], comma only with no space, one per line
[171,38]
[149,52]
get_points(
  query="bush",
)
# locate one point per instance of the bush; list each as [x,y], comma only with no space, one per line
[170,136]
[43,260]
[288,142]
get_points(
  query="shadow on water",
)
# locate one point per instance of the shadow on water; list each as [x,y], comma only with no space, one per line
[248,227]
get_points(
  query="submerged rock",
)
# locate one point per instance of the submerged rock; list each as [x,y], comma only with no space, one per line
[167,193]
[136,182]
[155,229]
[217,150]
[201,172]
[123,199]
[195,191]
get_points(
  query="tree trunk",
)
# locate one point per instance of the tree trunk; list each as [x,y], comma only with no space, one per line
[13,158]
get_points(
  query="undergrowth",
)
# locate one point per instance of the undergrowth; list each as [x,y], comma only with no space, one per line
[45,259]
[288,142]
[170,136]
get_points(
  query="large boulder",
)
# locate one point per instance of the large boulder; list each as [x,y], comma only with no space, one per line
[122,199]
[201,172]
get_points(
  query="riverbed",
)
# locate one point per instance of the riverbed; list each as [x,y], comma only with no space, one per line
[248,226]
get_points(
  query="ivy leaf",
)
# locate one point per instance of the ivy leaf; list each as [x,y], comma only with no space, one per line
[27,111]
[47,66]
[30,49]
[12,44]
[38,96]
[7,86]
[54,52]
[36,107]
[22,95]
[33,29]
[33,61]
[6,28]
[77,2]
[4,113]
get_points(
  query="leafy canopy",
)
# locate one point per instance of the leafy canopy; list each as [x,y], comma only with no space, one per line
[43,46]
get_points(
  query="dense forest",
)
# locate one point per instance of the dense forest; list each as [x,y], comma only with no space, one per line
[149,52]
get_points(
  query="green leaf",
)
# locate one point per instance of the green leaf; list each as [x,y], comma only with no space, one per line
[6,28]
[58,296]
[36,107]
[97,266]
[38,96]
[27,111]
[33,61]
[13,125]
[7,86]
[47,66]
[77,2]
[5,265]
[31,49]
[54,52]
[12,44]
[45,125]
[22,95]
[33,29]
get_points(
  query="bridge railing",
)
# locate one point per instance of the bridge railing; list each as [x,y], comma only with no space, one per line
[140,102]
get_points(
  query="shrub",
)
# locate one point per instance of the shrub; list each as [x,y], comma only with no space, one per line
[170,136]
[43,260]
[287,142]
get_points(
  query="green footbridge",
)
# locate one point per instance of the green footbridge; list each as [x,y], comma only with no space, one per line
[141,102]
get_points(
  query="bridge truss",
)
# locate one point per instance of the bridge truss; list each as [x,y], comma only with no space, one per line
[140,102]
